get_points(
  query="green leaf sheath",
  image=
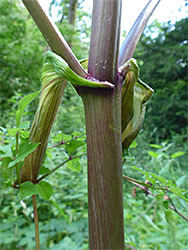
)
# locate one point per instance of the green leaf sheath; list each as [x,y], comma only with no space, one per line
[64,71]
[55,73]
[135,93]
[131,70]
[52,90]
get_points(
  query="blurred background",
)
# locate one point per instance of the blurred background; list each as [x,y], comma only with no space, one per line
[162,56]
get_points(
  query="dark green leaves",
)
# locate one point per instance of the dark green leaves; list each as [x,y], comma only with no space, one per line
[27,189]
[73,146]
[43,188]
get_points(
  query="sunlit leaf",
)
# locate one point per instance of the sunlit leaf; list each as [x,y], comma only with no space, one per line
[24,150]
[23,103]
[13,131]
[24,133]
[153,154]
[155,146]
[5,151]
[177,154]
[134,144]
[74,165]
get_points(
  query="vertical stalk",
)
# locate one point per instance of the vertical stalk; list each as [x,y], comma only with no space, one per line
[17,168]
[104,43]
[105,203]
[36,222]
[103,128]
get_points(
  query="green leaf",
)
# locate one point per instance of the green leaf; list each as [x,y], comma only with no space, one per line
[179,192]
[73,145]
[6,151]
[24,150]
[134,144]
[27,189]
[155,146]
[74,165]
[24,134]
[61,137]
[44,170]
[14,131]
[152,180]
[159,178]
[142,92]
[169,217]
[165,204]
[24,125]
[177,154]
[44,189]
[153,154]
[6,172]
[23,103]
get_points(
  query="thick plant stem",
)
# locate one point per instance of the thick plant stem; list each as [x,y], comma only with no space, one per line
[103,129]
[36,222]
[105,203]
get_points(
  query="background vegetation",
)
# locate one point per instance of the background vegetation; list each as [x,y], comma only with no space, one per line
[162,56]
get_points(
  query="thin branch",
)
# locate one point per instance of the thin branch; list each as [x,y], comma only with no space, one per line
[53,36]
[127,246]
[135,182]
[60,165]
[64,142]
